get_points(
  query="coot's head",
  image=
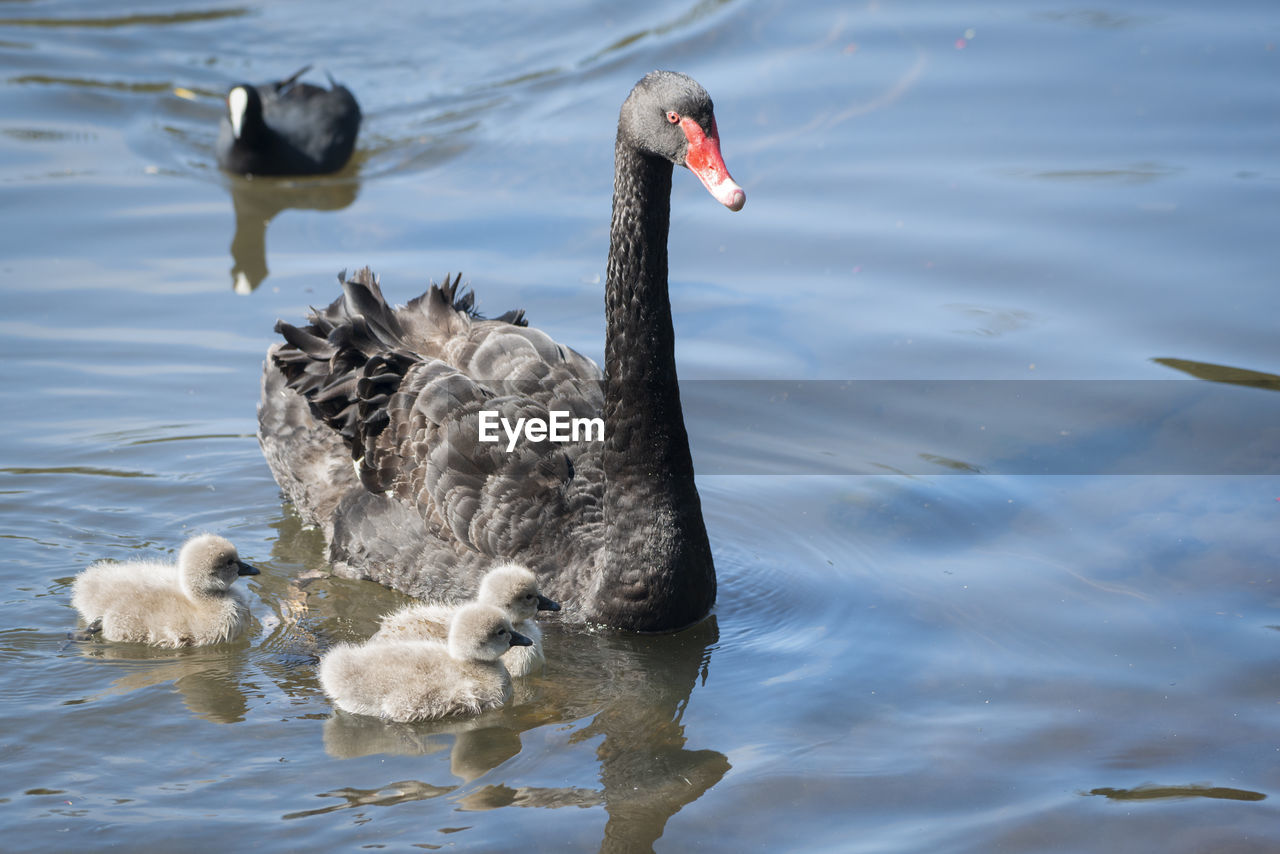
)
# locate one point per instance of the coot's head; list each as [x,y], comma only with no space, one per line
[244,111]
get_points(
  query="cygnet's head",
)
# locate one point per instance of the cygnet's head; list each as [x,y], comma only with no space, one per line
[482,633]
[514,589]
[210,564]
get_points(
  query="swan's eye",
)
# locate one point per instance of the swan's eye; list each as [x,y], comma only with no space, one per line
[673,117]
[528,597]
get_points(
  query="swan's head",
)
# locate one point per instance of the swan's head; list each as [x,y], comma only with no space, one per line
[514,589]
[209,564]
[670,115]
[244,110]
[482,633]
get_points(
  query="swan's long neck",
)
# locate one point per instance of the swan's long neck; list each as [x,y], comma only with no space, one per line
[658,560]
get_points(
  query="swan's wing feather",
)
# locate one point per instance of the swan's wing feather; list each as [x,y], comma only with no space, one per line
[428,452]
[405,389]
[310,461]
[373,326]
[515,317]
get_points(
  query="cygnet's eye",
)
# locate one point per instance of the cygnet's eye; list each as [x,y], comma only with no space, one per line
[673,117]
[528,597]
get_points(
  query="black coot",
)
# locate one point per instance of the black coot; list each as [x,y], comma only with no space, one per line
[288,128]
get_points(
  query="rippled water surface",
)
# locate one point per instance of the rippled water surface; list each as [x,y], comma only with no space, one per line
[956,613]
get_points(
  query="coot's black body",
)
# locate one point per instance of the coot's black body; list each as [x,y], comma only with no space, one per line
[288,128]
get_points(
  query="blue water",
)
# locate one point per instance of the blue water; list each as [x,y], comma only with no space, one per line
[948,621]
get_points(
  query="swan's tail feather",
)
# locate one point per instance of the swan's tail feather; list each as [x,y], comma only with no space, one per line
[445,297]
[464,302]
[324,360]
[313,346]
[351,358]
[372,324]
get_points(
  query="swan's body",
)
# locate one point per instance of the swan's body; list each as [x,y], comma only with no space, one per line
[510,588]
[287,128]
[612,528]
[414,680]
[191,603]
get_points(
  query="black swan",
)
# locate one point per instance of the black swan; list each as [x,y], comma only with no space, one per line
[612,528]
[288,128]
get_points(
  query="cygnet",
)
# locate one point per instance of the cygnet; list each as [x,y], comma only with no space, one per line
[188,604]
[416,680]
[510,587]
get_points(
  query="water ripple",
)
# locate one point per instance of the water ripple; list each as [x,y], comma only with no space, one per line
[117,21]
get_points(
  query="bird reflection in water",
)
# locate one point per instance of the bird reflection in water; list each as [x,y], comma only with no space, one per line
[209,680]
[257,201]
[624,693]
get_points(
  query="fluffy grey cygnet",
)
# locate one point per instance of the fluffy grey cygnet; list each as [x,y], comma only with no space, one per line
[191,603]
[510,587]
[418,680]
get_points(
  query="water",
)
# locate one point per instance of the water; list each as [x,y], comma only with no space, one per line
[1008,622]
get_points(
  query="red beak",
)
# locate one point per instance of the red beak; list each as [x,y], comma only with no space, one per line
[705,161]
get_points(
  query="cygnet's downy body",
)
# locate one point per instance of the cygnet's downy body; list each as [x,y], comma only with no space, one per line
[509,587]
[417,680]
[191,603]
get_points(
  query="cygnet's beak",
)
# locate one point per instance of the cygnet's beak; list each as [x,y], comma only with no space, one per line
[246,569]
[545,604]
[518,639]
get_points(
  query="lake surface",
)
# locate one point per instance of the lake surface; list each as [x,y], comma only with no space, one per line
[982,391]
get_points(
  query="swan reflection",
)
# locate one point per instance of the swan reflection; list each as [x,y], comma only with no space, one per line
[623,695]
[609,707]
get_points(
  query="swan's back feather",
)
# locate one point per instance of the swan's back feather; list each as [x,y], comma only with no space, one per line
[404,389]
